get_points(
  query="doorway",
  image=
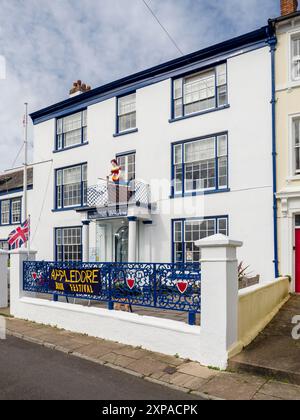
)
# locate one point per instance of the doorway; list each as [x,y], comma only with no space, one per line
[121,245]
[112,240]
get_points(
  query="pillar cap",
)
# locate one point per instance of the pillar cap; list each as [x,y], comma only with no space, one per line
[217,241]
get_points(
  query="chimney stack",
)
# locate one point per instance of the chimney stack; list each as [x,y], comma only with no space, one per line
[78,88]
[288,7]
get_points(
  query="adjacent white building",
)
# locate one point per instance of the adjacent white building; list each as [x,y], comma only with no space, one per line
[12,202]
[194,139]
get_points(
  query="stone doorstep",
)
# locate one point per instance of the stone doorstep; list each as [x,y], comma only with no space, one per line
[186,376]
[264,371]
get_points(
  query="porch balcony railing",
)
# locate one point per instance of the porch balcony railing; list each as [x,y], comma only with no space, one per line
[170,287]
[109,194]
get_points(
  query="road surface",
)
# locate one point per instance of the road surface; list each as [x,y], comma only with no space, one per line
[32,372]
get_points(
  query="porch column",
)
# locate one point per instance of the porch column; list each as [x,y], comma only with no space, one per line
[85,241]
[132,239]
[147,242]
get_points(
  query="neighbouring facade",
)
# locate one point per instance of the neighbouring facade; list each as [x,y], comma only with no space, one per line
[288,139]
[11,202]
[194,140]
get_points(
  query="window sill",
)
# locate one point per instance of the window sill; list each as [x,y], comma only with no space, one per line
[71,147]
[197,193]
[293,178]
[124,133]
[197,114]
[66,209]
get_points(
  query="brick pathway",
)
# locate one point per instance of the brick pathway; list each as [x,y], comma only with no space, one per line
[165,370]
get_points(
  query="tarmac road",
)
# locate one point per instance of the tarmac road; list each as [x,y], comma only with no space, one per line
[32,372]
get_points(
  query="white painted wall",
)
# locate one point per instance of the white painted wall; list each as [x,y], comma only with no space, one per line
[248,122]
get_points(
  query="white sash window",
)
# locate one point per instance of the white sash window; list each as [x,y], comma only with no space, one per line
[295,46]
[71,130]
[127,113]
[296,144]
[201,165]
[71,187]
[200,92]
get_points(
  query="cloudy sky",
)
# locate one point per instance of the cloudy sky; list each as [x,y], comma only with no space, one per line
[47,44]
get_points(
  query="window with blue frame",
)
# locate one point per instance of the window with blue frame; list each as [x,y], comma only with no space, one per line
[71,130]
[71,187]
[200,92]
[68,244]
[200,165]
[127,164]
[186,232]
[10,211]
[4,246]
[126,109]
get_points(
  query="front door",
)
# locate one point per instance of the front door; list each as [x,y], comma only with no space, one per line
[121,245]
[297,260]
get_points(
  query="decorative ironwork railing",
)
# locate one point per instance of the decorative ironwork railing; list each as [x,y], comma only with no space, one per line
[175,287]
[107,193]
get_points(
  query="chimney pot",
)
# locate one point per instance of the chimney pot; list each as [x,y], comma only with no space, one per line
[78,88]
[288,7]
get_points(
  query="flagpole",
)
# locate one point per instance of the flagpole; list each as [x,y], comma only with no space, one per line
[25,177]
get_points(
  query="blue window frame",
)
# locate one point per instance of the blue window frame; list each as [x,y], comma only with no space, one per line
[71,187]
[127,163]
[71,131]
[199,92]
[11,211]
[126,114]
[186,231]
[68,244]
[200,165]
[4,245]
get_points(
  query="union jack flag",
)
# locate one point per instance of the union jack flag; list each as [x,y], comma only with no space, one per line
[19,236]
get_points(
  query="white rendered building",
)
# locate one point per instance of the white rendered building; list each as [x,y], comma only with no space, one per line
[194,139]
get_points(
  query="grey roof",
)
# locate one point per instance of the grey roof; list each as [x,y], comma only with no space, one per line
[14,180]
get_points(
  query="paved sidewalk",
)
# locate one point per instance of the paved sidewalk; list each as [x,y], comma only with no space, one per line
[170,371]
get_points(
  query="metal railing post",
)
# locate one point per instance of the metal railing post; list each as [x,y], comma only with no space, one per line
[110,302]
[192,318]
[155,285]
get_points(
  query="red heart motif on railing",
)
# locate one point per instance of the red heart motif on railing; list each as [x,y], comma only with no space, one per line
[130,283]
[34,276]
[182,286]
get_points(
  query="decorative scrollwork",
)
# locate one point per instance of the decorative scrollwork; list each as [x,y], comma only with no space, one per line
[164,286]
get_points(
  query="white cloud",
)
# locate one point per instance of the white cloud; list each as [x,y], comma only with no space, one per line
[49,44]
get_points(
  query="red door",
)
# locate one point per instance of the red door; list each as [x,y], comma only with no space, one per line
[297,259]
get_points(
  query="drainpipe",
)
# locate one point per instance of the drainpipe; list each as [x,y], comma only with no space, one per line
[273,42]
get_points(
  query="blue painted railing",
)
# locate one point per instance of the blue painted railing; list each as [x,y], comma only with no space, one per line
[174,287]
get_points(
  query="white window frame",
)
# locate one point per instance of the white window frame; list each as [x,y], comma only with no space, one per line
[6,213]
[59,174]
[125,114]
[293,174]
[219,77]
[61,133]
[14,212]
[63,245]
[125,167]
[180,165]
[292,59]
